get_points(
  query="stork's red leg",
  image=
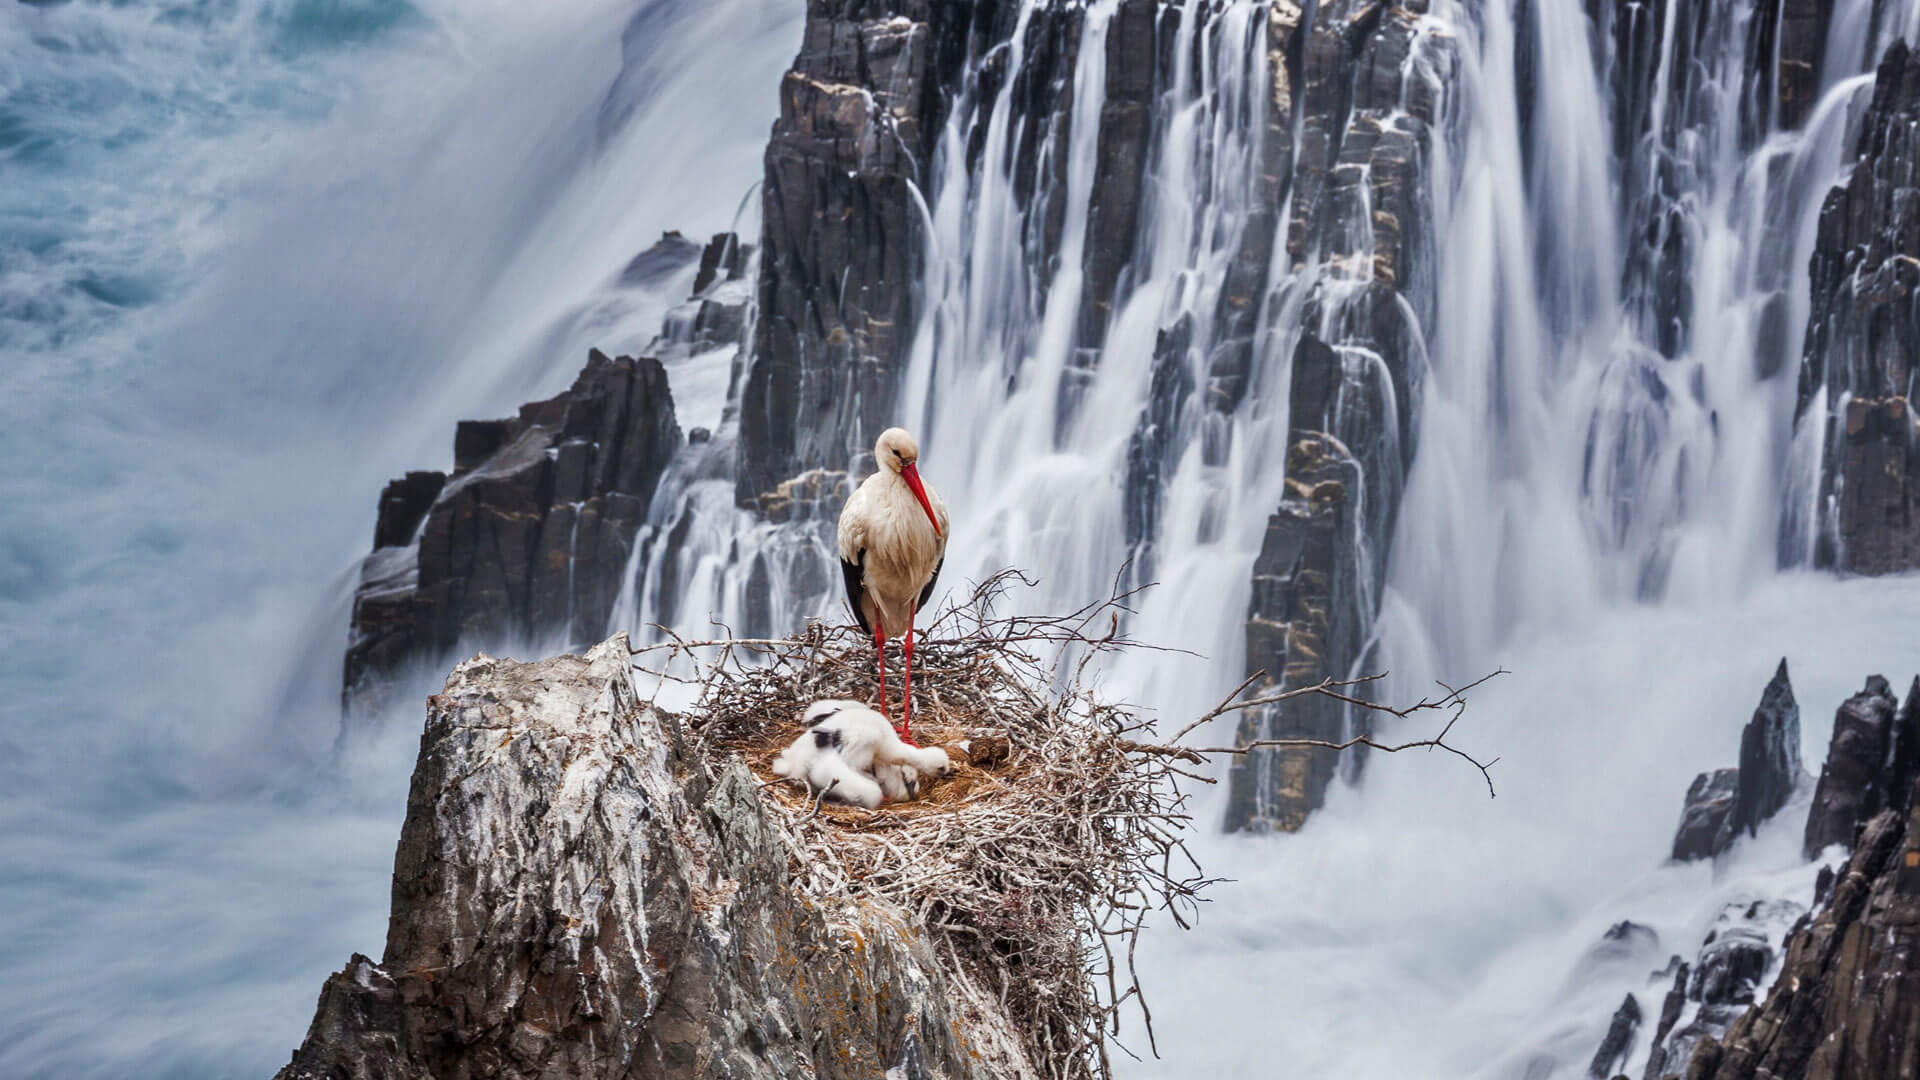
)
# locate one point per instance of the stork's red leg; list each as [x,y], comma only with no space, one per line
[906,696]
[880,658]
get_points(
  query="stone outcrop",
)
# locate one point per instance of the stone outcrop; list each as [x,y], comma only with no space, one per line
[1727,802]
[1863,334]
[529,537]
[858,112]
[1769,755]
[1844,996]
[577,893]
[1365,110]
[1720,985]
[1302,621]
[1872,762]
[1617,1045]
[1706,818]
[1846,1004]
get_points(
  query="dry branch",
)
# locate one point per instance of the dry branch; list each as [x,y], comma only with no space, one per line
[1455,700]
[1037,865]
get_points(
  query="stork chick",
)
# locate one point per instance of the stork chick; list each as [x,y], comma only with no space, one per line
[851,753]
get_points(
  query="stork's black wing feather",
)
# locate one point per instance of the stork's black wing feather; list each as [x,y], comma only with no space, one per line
[855,574]
[921,604]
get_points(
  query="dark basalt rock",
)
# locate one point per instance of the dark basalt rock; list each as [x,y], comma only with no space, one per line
[1617,1046]
[1120,172]
[858,112]
[1769,755]
[1302,619]
[671,254]
[861,112]
[529,539]
[1238,316]
[1626,948]
[1670,1009]
[577,894]
[1707,817]
[1663,104]
[1863,334]
[1730,967]
[1152,442]
[1846,1004]
[530,536]
[403,505]
[1799,40]
[1871,764]
[1720,984]
[1630,937]
[1723,804]
[1364,114]
[723,259]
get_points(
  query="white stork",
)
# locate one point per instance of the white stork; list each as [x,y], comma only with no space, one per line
[890,552]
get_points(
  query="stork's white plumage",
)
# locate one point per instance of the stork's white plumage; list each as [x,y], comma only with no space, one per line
[893,538]
[849,751]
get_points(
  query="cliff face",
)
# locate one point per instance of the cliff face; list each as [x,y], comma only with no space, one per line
[1338,147]
[858,112]
[1847,1000]
[577,894]
[1366,109]
[530,536]
[1845,997]
[1863,334]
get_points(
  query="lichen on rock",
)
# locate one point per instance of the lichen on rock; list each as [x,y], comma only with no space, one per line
[578,892]
[587,885]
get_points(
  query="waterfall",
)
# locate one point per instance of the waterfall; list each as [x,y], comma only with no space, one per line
[1532,273]
[255,258]
[1578,424]
[1605,421]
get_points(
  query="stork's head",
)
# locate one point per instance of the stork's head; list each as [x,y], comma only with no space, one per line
[896,450]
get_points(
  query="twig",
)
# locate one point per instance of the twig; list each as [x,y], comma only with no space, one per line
[1035,877]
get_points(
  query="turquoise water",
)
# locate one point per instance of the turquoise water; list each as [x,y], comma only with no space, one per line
[256,257]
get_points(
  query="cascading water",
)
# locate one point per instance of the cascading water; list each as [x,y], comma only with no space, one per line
[1029,409]
[296,293]
[1605,457]
[1605,483]
[255,258]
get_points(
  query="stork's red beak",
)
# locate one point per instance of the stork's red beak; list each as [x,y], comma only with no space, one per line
[910,472]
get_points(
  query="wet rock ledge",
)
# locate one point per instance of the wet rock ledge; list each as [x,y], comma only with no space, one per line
[579,892]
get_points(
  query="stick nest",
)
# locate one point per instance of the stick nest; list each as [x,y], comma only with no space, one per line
[1035,865]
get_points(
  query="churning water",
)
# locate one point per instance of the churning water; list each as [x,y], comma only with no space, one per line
[257,257]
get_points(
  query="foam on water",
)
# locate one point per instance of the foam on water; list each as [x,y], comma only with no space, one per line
[1417,928]
[256,258]
[260,256]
